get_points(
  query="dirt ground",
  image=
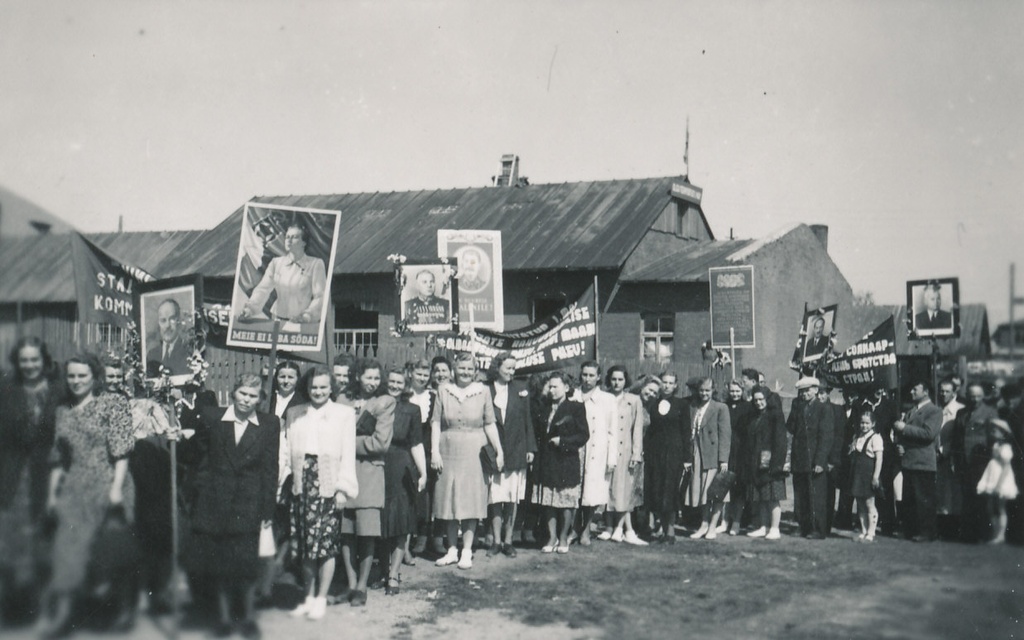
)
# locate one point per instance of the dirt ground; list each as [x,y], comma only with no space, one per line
[727,588]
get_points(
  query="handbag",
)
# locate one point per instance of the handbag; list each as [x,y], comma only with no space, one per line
[267,547]
[489,460]
[720,485]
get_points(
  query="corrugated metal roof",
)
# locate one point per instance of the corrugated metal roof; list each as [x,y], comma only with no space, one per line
[581,225]
[36,269]
[146,249]
[974,341]
[39,269]
[689,264]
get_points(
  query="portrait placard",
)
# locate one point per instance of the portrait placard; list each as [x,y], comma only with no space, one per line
[283,273]
[481,288]
[818,326]
[933,308]
[427,296]
[166,321]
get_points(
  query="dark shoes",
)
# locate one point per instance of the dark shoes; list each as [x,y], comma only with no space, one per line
[815,536]
[922,539]
[222,630]
[393,587]
[357,598]
[249,629]
[493,550]
[508,550]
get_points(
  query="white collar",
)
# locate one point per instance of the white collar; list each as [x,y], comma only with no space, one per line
[229,416]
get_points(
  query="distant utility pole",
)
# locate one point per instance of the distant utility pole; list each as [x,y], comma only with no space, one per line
[1014,300]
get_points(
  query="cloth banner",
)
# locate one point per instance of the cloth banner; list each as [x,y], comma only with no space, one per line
[103,285]
[563,340]
[871,361]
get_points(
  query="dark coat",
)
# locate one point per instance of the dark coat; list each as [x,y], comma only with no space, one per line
[740,414]
[839,444]
[22,445]
[811,426]
[765,431]
[558,467]
[236,484]
[515,426]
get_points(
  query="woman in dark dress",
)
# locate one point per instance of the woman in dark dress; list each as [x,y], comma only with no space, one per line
[405,475]
[763,463]
[28,415]
[236,484]
[559,480]
[423,397]
[740,412]
[668,445]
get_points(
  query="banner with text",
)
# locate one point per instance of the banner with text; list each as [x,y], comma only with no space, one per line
[732,306]
[561,341]
[103,285]
[872,361]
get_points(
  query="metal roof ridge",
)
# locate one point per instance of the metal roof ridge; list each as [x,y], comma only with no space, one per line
[759,243]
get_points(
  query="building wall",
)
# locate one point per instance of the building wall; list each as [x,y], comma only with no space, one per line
[793,270]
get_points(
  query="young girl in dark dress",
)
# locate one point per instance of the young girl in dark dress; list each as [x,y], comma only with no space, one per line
[866,463]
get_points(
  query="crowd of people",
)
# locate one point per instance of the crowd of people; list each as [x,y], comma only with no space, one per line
[376,467]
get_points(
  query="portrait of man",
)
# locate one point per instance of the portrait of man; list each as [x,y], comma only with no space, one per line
[424,307]
[474,270]
[817,338]
[932,316]
[932,307]
[171,350]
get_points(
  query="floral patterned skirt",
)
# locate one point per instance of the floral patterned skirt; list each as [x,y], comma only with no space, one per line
[315,525]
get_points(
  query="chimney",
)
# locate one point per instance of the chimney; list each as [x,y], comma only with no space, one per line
[820,231]
[509,174]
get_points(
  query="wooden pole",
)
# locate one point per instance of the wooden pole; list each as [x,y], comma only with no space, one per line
[732,350]
[175,599]
[597,323]
[269,382]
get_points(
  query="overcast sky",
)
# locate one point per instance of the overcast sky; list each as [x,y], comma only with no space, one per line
[900,125]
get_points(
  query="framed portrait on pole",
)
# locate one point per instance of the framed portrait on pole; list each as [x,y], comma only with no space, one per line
[166,319]
[481,288]
[818,333]
[283,276]
[428,296]
[933,308]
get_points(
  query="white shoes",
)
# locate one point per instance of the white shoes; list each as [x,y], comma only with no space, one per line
[711,535]
[616,536]
[700,533]
[722,528]
[449,558]
[318,609]
[605,535]
[466,560]
[759,533]
[303,609]
[632,538]
[773,535]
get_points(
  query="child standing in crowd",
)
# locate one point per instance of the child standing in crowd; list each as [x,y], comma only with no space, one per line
[866,463]
[998,481]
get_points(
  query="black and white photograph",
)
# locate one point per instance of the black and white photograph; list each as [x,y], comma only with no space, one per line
[818,327]
[483,353]
[934,307]
[427,295]
[283,277]
[167,310]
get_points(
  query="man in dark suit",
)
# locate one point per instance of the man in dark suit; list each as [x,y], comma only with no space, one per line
[816,343]
[915,438]
[810,423]
[836,454]
[932,317]
[172,352]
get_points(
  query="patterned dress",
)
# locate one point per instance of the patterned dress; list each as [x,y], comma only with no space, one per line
[316,529]
[90,440]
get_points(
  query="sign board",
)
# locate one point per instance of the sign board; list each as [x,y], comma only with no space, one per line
[481,293]
[687,192]
[732,306]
